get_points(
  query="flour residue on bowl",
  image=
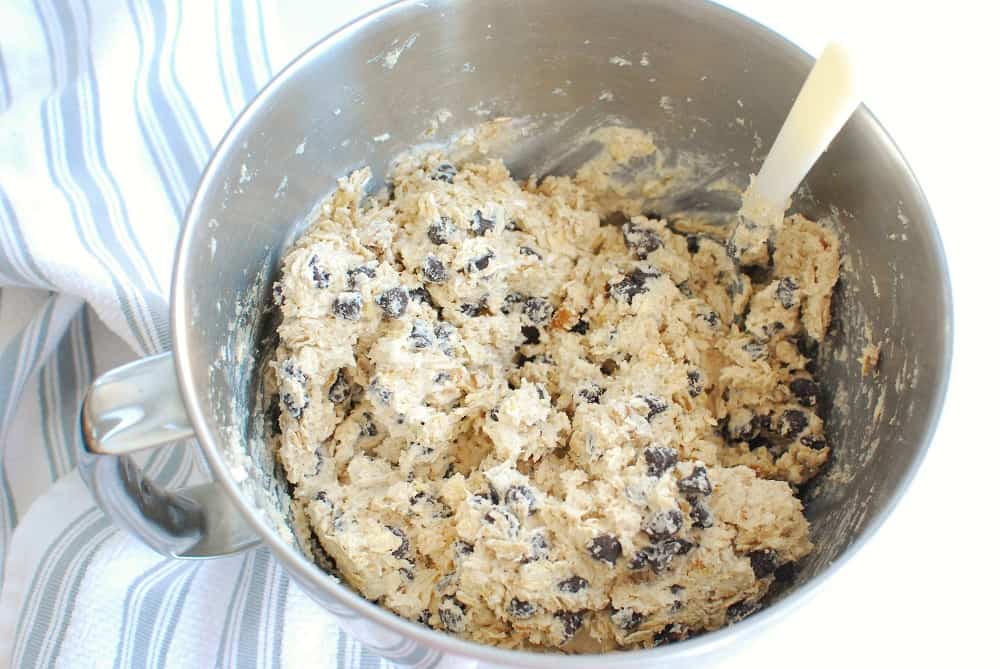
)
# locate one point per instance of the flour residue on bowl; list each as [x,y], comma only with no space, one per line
[390,58]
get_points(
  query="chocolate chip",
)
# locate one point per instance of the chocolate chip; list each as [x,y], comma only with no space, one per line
[292,371]
[528,251]
[403,549]
[434,270]
[359,271]
[531,334]
[792,423]
[537,309]
[538,548]
[571,621]
[480,263]
[441,231]
[671,633]
[695,384]
[591,393]
[321,278]
[463,548]
[452,614]
[521,498]
[393,302]
[497,513]
[626,619]
[424,617]
[278,294]
[658,555]
[806,391]
[693,243]
[685,289]
[761,421]
[379,393]
[807,346]
[520,360]
[758,275]
[786,292]
[367,425]
[518,608]
[495,415]
[632,284]
[347,305]
[420,294]
[712,318]
[511,303]
[697,482]
[662,525]
[295,403]
[294,406]
[443,331]
[640,560]
[755,349]
[580,327]
[340,389]
[573,584]
[655,404]
[479,225]
[605,548]
[786,573]
[444,172]
[474,310]
[421,335]
[700,515]
[642,241]
[815,443]
[763,562]
[659,459]
[741,610]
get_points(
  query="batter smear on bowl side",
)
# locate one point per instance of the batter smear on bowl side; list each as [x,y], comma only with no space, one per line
[507,417]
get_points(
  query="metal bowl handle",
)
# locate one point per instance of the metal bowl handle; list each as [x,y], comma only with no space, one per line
[132,408]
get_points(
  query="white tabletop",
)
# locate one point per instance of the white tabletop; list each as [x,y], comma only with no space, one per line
[923,592]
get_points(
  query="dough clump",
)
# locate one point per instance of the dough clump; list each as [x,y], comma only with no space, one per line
[509,416]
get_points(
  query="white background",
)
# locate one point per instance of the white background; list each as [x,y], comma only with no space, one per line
[924,592]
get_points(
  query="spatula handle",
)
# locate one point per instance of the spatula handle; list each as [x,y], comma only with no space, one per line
[827,99]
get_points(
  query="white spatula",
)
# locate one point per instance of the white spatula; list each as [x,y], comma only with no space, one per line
[827,99]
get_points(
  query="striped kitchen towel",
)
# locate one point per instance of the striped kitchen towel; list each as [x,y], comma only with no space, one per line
[108,111]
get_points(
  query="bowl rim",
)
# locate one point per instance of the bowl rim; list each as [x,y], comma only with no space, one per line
[315,581]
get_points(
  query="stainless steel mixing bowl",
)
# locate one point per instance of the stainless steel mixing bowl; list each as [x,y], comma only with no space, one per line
[701,78]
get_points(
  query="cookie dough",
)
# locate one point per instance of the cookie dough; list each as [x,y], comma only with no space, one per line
[508,415]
